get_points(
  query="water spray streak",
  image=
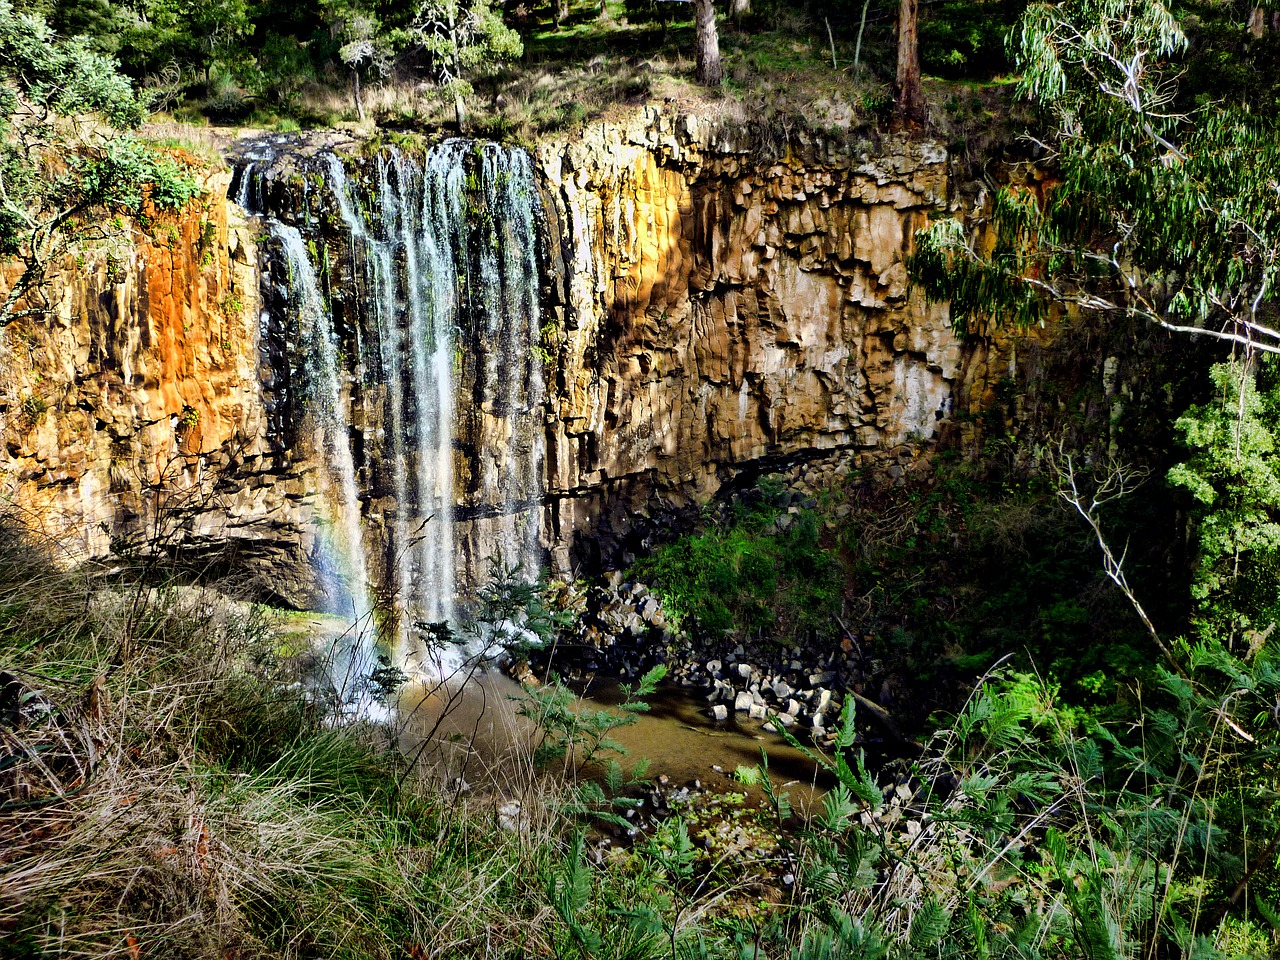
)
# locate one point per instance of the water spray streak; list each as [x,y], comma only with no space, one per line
[341,554]
[443,292]
[507,289]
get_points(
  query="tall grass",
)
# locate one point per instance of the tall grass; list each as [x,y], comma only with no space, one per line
[168,789]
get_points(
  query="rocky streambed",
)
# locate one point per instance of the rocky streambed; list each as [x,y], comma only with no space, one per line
[619,629]
[623,631]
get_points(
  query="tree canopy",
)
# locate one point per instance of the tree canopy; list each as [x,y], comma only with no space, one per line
[1160,213]
[1159,210]
[63,107]
[462,36]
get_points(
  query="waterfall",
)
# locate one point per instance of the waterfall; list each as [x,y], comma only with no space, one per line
[340,543]
[242,185]
[440,287]
[246,181]
[410,279]
[508,295]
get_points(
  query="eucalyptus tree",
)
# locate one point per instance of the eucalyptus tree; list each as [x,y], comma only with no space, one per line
[1167,216]
[1170,216]
[364,49]
[64,156]
[1161,215]
[463,36]
[910,93]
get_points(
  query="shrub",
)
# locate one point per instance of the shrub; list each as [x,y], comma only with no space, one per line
[763,572]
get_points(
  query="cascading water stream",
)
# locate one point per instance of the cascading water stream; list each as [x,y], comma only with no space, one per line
[342,558]
[410,253]
[508,294]
[440,289]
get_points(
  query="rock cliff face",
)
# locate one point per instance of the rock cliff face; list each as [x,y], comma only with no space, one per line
[132,413]
[711,305]
[723,303]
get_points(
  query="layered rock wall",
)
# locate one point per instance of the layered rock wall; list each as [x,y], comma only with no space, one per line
[722,303]
[714,304]
[131,409]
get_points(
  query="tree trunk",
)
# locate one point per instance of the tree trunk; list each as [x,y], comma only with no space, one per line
[709,71]
[459,111]
[1257,22]
[562,11]
[862,27]
[910,96]
[355,93]
[455,66]
[739,9]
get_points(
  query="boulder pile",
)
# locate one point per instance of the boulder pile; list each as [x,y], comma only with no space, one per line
[622,631]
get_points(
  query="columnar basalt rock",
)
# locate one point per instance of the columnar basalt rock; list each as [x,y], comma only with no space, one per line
[713,304]
[723,301]
[131,410]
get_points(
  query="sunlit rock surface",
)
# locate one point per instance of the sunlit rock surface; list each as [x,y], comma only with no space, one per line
[721,302]
[132,409]
[710,304]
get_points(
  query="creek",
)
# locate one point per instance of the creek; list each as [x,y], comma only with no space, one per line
[475,732]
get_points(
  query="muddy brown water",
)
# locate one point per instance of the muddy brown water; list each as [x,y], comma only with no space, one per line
[475,731]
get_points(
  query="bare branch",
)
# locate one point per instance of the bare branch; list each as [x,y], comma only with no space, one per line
[1114,483]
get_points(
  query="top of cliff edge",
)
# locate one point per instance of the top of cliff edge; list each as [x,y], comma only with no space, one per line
[787,66]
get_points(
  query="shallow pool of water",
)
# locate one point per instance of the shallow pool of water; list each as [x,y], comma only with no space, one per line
[475,732]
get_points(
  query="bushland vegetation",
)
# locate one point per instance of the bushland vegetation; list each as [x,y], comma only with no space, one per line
[173,782]
[518,69]
[176,781]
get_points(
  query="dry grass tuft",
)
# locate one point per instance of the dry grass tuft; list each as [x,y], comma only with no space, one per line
[169,789]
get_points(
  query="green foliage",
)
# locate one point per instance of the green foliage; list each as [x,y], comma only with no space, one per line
[1157,215]
[1226,62]
[1020,831]
[508,601]
[286,68]
[749,575]
[942,577]
[569,893]
[54,169]
[46,73]
[961,38]
[127,175]
[1027,834]
[576,736]
[656,11]
[34,407]
[96,20]
[463,37]
[1233,477]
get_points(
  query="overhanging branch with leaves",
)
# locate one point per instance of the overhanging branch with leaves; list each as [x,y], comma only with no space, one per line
[1169,218]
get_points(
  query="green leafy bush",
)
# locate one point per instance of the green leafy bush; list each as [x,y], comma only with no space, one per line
[1233,478]
[55,171]
[126,173]
[752,575]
